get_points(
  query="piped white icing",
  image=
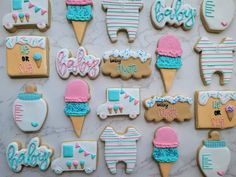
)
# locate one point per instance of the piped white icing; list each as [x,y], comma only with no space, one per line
[224,96]
[33,41]
[173,100]
[126,54]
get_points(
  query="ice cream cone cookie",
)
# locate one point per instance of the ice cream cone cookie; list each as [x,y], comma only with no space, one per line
[76,98]
[165,149]
[230,112]
[214,156]
[79,12]
[169,59]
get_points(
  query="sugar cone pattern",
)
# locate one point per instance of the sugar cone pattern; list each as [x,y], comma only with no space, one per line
[168,76]
[38,63]
[80,29]
[78,123]
[165,168]
[230,115]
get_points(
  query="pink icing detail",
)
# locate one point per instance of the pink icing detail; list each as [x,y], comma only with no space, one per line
[86,153]
[224,23]
[170,46]
[221,173]
[126,95]
[165,137]
[75,163]
[77,91]
[27,14]
[77,145]
[136,102]
[121,107]
[43,11]
[14,15]
[31,5]
[79,2]
[110,107]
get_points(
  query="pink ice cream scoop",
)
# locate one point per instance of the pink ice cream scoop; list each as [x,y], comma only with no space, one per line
[79,2]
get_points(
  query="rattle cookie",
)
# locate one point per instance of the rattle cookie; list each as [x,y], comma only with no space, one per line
[28,14]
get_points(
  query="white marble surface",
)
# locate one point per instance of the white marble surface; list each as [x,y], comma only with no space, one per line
[58,128]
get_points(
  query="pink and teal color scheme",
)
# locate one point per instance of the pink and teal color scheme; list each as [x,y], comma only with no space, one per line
[169,52]
[165,145]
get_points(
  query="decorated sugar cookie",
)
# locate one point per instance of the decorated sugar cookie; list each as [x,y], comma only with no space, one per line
[215,109]
[27,56]
[79,13]
[165,151]
[82,64]
[178,14]
[127,64]
[120,101]
[168,108]
[77,96]
[28,14]
[76,156]
[169,59]
[217,14]
[120,147]
[30,110]
[33,155]
[216,58]
[214,156]
[122,15]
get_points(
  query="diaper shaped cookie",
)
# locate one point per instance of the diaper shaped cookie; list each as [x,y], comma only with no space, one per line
[214,156]
[28,14]
[76,97]
[122,15]
[120,101]
[127,64]
[217,15]
[76,156]
[27,56]
[168,108]
[82,64]
[216,58]
[30,110]
[120,147]
[215,109]
[178,14]
[33,155]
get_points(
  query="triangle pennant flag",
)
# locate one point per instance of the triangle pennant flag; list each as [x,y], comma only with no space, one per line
[31,5]
[43,11]
[131,99]
[37,9]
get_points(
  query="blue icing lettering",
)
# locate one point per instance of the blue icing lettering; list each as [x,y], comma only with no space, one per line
[125,70]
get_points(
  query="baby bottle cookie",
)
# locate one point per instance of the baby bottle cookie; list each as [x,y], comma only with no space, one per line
[30,110]
[28,14]
[214,156]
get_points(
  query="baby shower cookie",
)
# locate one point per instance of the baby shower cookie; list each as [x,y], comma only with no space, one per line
[82,64]
[28,14]
[217,15]
[122,15]
[216,58]
[168,108]
[79,13]
[127,64]
[120,147]
[165,151]
[76,156]
[27,56]
[169,59]
[33,155]
[214,156]
[178,14]
[120,101]
[77,96]
[215,109]
[30,110]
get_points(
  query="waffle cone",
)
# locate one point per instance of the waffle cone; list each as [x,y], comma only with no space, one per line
[78,123]
[230,115]
[168,76]
[38,63]
[165,168]
[80,29]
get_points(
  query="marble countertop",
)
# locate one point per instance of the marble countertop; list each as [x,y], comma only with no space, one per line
[58,128]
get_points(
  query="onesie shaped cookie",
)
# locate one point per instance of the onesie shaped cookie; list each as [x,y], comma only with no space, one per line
[120,147]
[76,156]
[168,108]
[33,155]
[169,59]
[30,110]
[127,64]
[214,156]
[215,109]
[178,14]
[122,15]
[76,98]
[82,64]
[216,58]
[79,13]
[28,14]
[217,15]
[120,101]
[27,56]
